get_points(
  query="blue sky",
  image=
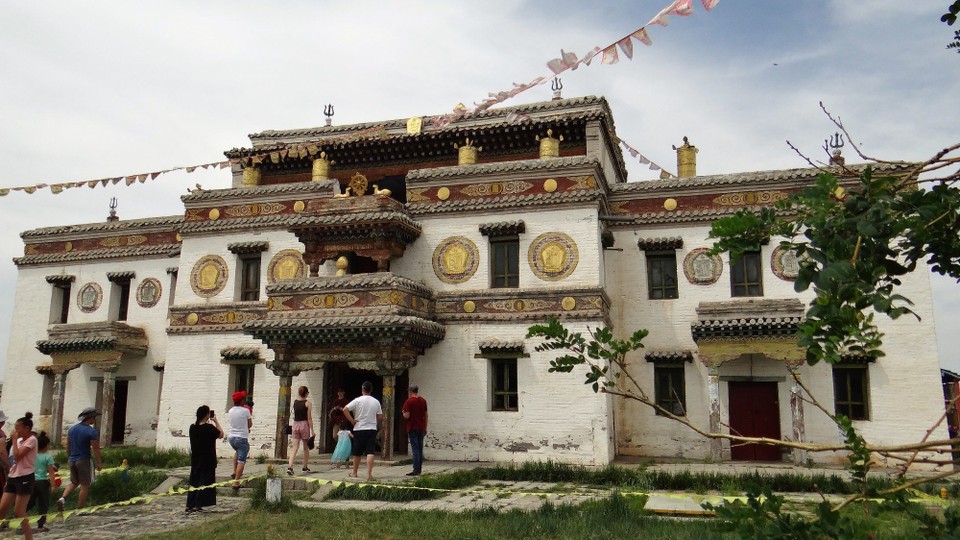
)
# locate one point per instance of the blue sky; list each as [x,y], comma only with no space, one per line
[92,90]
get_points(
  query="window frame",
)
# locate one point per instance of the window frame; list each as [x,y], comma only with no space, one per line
[60,302]
[237,371]
[670,372]
[659,257]
[500,387]
[740,287]
[500,247]
[842,374]
[247,290]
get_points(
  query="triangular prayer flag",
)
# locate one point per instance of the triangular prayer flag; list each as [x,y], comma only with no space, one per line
[709,4]
[154,175]
[626,45]
[589,56]
[4,192]
[130,180]
[556,66]
[642,36]
[610,55]
[569,58]
[683,7]
[654,166]
[56,189]
[190,169]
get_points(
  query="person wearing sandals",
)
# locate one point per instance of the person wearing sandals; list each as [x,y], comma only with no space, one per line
[240,423]
[203,459]
[302,429]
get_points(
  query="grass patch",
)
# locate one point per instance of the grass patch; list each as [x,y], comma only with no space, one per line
[136,456]
[367,492]
[614,517]
[117,486]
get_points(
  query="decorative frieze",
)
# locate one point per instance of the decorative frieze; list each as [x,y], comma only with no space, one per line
[516,305]
[226,317]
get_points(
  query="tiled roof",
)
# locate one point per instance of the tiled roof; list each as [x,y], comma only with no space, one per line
[671,356]
[502,228]
[258,191]
[112,227]
[353,281]
[121,276]
[745,328]
[503,166]
[352,218]
[363,329]
[61,279]
[654,244]
[401,124]
[755,177]
[503,202]
[238,248]
[240,353]
[98,343]
[258,222]
[499,345]
[165,250]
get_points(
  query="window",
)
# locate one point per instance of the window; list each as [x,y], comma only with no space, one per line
[241,378]
[60,303]
[173,284]
[119,298]
[250,277]
[662,275]
[504,384]
[745,275]
[850,391]
[505,262]
[669,389]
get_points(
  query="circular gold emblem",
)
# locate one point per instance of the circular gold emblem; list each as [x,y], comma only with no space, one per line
[209,276]
[469,306]
[443,193]
[286,264]
[193,319]
[358,184]
[568,303]
[553,256]
[68,246]
[456,259]
[179,238]
[550,185]
[214,214]
[298,206]
[670,205]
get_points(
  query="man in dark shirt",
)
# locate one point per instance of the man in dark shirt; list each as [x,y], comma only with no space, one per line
[83,455]
[415,413]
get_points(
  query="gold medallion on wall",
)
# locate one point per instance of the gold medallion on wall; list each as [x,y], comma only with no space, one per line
[286,264]
[148,293]
[456,259]
[208,276]
[89,297]
[701,268]
[553,256]
[785,263]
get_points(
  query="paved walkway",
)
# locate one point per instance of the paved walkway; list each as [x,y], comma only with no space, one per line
[167,513]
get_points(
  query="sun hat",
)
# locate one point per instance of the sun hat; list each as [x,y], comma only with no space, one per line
[89,412]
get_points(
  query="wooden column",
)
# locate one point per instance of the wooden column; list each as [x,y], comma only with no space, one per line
[389,383]
[106,414]
[56,414]
[283,414]
[796,410]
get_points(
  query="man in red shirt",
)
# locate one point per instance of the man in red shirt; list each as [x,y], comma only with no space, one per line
[415,413]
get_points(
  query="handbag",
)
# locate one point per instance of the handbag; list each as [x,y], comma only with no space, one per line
[288,430]
[311,442]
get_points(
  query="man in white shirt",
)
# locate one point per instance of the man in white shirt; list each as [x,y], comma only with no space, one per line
[240,422]
[364,412]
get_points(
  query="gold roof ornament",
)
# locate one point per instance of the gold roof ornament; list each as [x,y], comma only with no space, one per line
[686,159]
[467,153]
[381,192]
[251,176]
[414,125]
[342,264]
[549,145]
[359,184]
[321,167]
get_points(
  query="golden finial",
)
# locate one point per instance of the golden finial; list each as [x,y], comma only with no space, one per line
[549,146]
[467,154]
[342,264]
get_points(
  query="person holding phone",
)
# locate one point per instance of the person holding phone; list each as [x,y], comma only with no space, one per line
[203,459]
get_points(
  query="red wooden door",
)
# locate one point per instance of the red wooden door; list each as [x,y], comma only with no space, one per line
[754,412]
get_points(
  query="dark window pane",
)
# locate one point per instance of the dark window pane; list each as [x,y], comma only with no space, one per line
[505,262]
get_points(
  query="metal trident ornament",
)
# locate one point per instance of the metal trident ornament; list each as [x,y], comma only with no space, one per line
[556,85]
[328,112]
[835,143]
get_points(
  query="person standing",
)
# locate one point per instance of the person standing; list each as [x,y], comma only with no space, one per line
[4,457]
[302,429]
[20,483]
[336,412]
[415,413]
[240,423]
[203,459]
[83,455]
[364,412]
[43,467]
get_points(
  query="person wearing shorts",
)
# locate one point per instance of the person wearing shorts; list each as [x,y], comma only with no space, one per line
[364,412]
[302,429]
[240,423]
[20,482]
[83,455]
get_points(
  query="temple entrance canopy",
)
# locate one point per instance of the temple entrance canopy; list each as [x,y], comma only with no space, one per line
[732,333]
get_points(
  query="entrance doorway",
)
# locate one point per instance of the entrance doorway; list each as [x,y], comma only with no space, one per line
[754,412]
[341,375]
[118,423]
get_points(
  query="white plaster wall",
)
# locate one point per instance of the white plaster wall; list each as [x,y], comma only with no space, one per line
[559,418]
[905,394]
[32,304]
[579,223]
